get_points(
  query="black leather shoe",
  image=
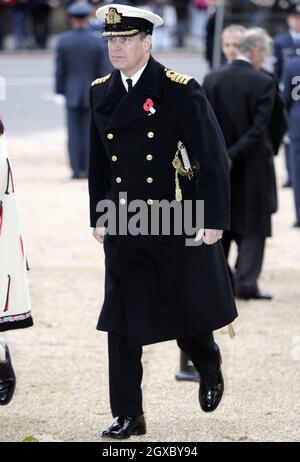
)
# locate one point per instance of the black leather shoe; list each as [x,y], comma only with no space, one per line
[126,426]
[254,296]
[7,379]
[211,391]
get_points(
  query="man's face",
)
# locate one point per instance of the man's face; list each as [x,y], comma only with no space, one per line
[129,54]
[294,22]
[230,43]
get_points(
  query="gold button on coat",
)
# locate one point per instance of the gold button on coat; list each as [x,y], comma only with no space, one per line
[118,179]
[149,157]
[150,135]
[149,180]
[114,158]
[110,136]
[149,201]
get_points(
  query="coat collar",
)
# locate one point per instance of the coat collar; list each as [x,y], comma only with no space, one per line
[122,107]
[241,62]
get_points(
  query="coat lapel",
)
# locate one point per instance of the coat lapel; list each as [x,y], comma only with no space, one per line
[122,107]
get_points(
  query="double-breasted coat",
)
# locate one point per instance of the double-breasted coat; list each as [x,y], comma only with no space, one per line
[156,287]
[15,308]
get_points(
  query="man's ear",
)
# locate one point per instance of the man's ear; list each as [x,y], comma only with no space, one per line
[148,43]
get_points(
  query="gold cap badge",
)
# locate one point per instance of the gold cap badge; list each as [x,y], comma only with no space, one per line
[113,17]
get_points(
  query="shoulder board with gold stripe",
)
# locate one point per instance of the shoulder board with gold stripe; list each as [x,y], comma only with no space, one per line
[101,80]
[177,77]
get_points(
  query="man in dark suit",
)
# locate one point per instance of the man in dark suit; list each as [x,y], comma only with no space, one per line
[243,101]
[154,137]
[291,93]
[286,46]
[79,59]
[231,37]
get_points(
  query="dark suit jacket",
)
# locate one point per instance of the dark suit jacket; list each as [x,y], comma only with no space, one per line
[292,96]
[79,60]
[278,124]
[243,101]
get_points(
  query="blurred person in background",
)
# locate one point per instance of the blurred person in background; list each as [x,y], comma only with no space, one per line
[5,8]
[163,39]
[210,31]
[199,16]
[261,15]
[182,12]
[20,23]
[243,101]
[79,60]
[286,46]
[40,11]
[291,80]
[231,37]
[14,295]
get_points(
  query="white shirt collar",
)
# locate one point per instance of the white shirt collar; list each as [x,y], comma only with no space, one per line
[134,78]
[243,58]
[295,35]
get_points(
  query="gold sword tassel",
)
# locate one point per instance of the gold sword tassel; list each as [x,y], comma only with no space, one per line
[231,330]
[182,168]
[178,193]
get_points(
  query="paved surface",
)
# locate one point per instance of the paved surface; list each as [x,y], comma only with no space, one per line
[61,363]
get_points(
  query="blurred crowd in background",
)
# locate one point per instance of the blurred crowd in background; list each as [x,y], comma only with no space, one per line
[28,24]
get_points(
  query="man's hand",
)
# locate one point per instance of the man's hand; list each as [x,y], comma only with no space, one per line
[98,234]
[209,236]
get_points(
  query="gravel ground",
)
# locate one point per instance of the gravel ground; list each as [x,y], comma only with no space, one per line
[61,363]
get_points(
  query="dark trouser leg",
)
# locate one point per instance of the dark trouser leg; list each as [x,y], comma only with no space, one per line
[287,155]
[85,133]
[125,376]
[295,171]
[249,263]
[203,351]
[40,17]
[74,138]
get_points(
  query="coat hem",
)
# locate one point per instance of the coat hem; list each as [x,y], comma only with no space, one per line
[21,321]
[170,337]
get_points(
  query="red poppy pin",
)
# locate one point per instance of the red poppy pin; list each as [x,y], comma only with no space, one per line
[148,106]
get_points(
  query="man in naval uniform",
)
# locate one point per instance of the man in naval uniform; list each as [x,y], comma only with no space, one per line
[286,47]
[157,288]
